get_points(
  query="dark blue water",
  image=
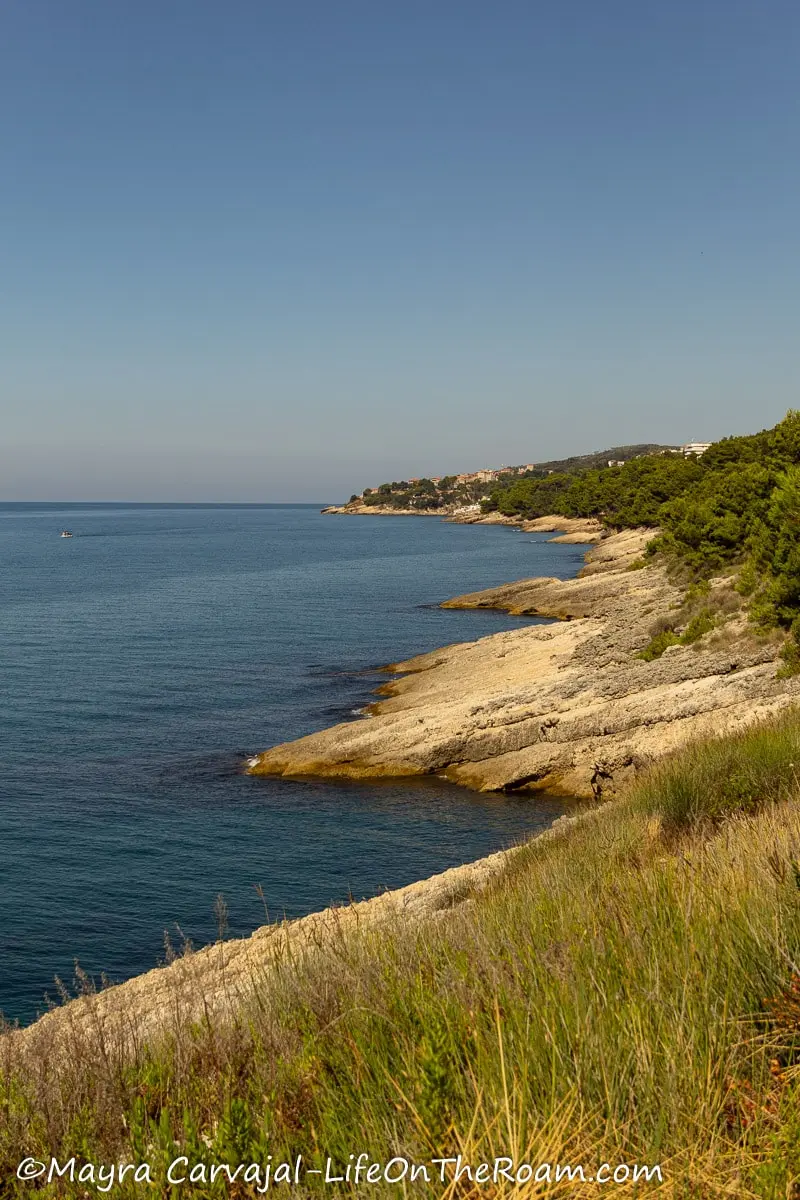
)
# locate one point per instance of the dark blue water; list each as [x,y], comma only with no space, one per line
[143,660]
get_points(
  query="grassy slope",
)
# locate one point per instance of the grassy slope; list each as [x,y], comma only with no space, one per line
[612,999]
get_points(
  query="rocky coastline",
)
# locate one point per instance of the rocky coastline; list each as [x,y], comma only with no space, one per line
[569,707]
[219,981]
[576,530]
[380,510]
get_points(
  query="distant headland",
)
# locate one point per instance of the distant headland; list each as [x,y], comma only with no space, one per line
[685,620]
[502,489]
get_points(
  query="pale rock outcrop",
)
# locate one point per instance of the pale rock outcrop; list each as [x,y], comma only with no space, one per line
[567,707]
[571,530]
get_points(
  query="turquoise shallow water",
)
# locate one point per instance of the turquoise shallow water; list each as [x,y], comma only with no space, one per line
[144,659]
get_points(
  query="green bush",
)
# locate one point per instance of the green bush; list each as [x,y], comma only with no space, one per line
[658,644]
[699,625]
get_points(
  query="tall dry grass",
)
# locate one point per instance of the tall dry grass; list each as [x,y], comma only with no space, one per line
[627,993]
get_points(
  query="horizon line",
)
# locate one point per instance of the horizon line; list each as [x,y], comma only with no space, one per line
[187,503]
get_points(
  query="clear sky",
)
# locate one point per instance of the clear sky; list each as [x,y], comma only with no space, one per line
[260,250]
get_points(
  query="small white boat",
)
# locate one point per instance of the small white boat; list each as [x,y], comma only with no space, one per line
[65,533]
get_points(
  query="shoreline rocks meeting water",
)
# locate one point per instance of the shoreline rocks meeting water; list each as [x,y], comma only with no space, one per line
[568,707]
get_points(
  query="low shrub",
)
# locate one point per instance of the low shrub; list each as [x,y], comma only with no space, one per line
[658,644]
[699,625]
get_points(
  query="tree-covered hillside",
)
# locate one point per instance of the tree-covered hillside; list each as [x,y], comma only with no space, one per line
[451,491]
[736,506]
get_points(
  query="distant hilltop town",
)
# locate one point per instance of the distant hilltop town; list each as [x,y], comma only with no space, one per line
[492,474]
[469,489]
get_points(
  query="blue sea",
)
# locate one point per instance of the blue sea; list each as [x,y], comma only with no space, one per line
[144,659]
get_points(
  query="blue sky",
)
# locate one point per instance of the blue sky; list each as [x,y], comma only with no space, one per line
[264,251]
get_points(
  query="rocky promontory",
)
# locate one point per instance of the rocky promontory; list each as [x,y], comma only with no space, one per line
[569,707]
[357,509]
[576,530]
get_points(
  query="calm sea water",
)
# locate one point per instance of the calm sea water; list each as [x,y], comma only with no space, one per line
[143,660]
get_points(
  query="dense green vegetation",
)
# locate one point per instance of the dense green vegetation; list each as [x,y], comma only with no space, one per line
[738,506]
[630,495]
[427,495]
[626,993]
[601,458]
[423,494]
